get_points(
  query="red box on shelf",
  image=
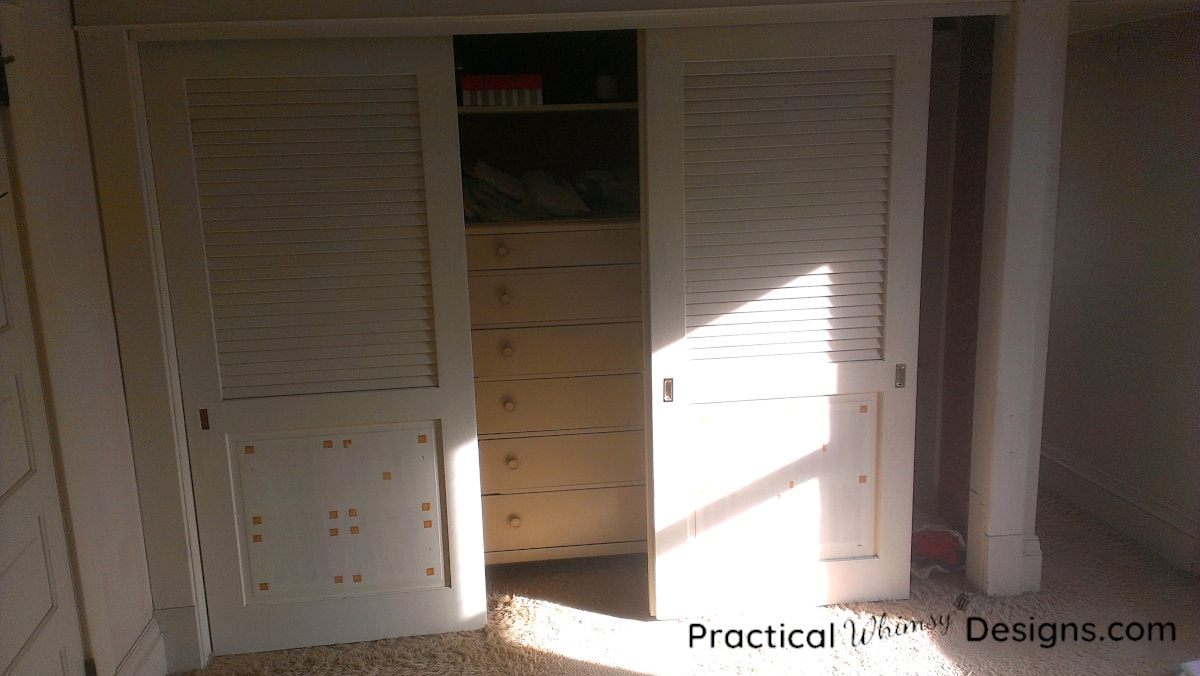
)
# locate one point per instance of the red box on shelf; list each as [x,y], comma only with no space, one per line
[501,90]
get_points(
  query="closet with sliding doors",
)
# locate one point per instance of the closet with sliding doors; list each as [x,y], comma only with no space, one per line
[677,267]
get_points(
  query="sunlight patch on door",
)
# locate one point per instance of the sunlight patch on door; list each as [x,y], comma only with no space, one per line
[786,203]
[784,485]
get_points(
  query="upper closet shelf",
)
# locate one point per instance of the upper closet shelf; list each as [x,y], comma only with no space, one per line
[548,108]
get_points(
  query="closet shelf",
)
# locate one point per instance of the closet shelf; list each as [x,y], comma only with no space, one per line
[548,108]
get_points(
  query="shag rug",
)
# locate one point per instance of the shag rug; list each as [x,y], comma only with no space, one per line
[563,618]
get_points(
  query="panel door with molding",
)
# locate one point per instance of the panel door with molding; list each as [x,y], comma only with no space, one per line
[39,623]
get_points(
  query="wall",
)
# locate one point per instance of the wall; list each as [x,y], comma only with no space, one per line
[77,339]
[1122,436]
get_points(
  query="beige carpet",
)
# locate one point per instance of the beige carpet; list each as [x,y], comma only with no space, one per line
[589,616]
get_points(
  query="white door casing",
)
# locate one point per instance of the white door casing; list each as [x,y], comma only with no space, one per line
[39,622]
[786,173]
[309,203]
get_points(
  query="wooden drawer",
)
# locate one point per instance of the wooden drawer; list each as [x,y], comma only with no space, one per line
[509,465]
[558,296]
[564,518]
[550,404]
[557,350]
[553,249]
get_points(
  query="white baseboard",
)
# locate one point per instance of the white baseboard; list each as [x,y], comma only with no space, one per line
[1164,529]
[1031,563]
[1003,565]
[148,656]
[185,643]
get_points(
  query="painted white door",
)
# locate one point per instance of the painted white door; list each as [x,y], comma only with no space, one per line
[39,623]
[311,221]
[786,176]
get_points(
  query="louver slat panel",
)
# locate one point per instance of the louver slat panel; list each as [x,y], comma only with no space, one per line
[316,242]
[786,165]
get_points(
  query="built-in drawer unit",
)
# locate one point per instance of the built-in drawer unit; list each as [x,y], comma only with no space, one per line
[556,315]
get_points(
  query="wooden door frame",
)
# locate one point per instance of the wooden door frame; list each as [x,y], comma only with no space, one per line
[1004,556]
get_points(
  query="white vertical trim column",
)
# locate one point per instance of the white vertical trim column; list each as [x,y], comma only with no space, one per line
[112,85]
[1004,556]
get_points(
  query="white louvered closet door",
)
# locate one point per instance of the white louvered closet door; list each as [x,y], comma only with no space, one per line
[311,226]
[786,181]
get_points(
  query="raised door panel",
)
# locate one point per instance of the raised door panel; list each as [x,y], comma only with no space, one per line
[360,513]
[39,622]
[541,463]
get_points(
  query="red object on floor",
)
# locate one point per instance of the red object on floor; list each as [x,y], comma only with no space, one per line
[938,547]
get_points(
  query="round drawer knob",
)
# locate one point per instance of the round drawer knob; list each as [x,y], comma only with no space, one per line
[512,463]
[507,350]
[510,405]
[502,251]
[505,299]
[514,521]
